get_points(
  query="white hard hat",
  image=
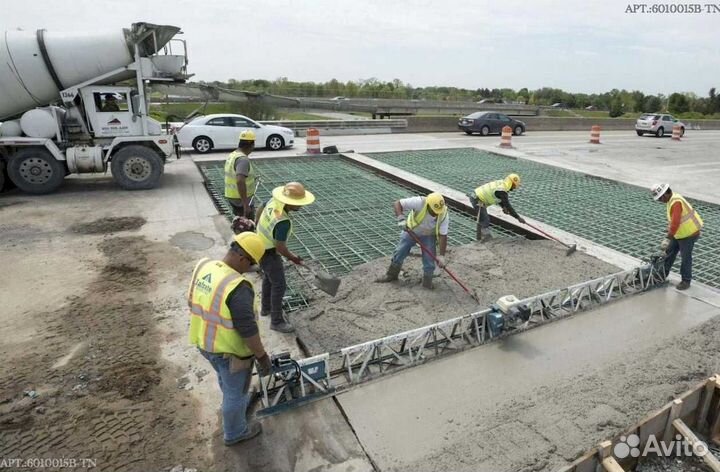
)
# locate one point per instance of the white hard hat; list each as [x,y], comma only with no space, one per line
[658,190]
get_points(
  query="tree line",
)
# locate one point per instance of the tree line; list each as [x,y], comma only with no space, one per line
[616,102]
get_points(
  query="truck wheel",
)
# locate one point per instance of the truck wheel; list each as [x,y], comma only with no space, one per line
[35,170]
[136,167]
[2,176]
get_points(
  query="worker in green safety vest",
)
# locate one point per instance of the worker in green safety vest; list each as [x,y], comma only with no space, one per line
[493,193]
[240,177]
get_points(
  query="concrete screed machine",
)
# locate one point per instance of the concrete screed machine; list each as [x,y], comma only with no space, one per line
[74,103]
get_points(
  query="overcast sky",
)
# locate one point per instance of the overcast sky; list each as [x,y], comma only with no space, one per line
[577,46]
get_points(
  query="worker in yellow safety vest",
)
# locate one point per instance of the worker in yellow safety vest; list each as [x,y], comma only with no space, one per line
[684,226]
[240,177]
[493,193]
[429,220]
[223,309]
[274,226]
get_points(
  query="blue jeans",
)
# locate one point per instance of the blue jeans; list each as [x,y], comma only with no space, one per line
[685,248]
[407,242]
[235,395]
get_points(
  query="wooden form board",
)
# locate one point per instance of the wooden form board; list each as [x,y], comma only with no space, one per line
[698,408]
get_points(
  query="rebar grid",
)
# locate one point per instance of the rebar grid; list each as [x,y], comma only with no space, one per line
[351,221]
[613,214]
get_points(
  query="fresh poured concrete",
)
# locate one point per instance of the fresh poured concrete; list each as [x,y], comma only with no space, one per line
[539,399]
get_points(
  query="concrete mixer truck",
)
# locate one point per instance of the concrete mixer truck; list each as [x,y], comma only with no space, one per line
[73,103]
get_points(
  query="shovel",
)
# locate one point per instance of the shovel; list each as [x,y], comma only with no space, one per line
[570,250]
[324,281]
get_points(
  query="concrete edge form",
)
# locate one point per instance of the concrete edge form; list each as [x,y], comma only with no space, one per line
[697,409]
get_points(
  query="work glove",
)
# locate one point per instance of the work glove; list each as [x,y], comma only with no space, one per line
[521,219]
[295,259]
[401,221]
[665,244]
[240,224]
[441,261]
[263,365]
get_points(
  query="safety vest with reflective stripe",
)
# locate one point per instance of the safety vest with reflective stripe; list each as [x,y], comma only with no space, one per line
[231,189]
[486,193]
[690,221]
[415,220]
[273,213]
[211,326]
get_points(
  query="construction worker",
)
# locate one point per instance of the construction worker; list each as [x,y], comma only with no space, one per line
[240,177]
[684,226]
[274,226]
[223,326]
[494,193]
[111,103]
[428,219]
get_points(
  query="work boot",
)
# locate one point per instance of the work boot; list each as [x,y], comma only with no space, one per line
[391,275]
[254,428]
[427,281]
[683,285]
[282,327]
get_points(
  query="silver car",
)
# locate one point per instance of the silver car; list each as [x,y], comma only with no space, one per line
[658,124]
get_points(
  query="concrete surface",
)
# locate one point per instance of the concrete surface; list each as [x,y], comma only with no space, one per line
[438,124]
[96,321]
[536,400]
[363,310]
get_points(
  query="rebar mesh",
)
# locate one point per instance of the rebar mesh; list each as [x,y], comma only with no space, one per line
[351,221]
[613,214]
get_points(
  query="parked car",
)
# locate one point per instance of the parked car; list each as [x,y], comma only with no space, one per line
[490,101]
[559,105]
[486,122]
[209,132]
[658,124]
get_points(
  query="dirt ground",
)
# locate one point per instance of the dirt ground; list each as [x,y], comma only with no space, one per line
[363,310]
[89,381]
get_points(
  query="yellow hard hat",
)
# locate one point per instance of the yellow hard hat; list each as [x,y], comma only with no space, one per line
[513,180]
[436,202]
[252,245]
[247,135]
[293,193]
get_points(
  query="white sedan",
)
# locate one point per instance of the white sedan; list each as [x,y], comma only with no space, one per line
[209,132]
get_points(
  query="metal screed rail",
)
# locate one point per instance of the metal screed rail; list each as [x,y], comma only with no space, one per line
[297,382]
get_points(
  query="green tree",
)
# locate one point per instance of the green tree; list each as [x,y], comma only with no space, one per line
[616,107]
[678,103]
[651,104]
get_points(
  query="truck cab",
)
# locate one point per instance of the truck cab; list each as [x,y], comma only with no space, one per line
[98,118]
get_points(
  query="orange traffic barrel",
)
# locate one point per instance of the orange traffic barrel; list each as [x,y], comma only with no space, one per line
[595,134]
[676,133]
[312,140]
[506,139]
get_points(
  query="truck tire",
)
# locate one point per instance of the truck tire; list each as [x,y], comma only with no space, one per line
[2,176]
[136,167]
[35,170]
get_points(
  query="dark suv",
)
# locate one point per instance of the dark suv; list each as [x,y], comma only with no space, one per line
[486,122]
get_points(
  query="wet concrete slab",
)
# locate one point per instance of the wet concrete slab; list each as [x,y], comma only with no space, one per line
[456,413]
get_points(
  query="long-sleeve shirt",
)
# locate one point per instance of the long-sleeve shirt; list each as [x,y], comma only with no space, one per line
[675,217]
[241,303]
[505,202]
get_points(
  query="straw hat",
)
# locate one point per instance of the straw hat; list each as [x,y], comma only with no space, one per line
[293,193]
